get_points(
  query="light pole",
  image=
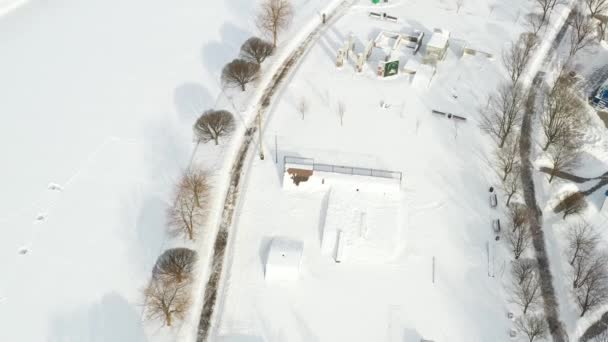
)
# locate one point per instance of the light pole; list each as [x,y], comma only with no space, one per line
[260,135]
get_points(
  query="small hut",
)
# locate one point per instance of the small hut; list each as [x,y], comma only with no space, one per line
[283,263]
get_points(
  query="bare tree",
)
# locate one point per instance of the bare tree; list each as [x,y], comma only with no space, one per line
[535,22]
[185,216]
[601,27]
[512,185]
[274,16]
[459,4]
[341,112]
[239,72]
[518,216]
[593,292]
[194,183]
[597,6]
[214,124]
[582,241]
[303,107]
[561,117]
[601,337]
[518,238]
[526,293]
[523,269]
[166,300]
[545,7]
[507,158]
[582,30]
[504,112]
[564,156]
[256,50]
[174,265]
[586,265]
[533,326]
[518,55]
[571,203]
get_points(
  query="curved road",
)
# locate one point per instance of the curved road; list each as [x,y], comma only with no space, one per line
[214,284]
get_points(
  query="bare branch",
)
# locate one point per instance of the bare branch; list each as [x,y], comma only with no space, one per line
[534,327]
[523,269]
[562,116]
[174,265]
[256,50]
[582,31]
[166,300]
[526,293]
[582,241]
[239,72]
[274,17]
[597,6]
[564,156]
[592,289]
[185,216]
[516,58]
[518,236]
[507,158]
[214,124]
[504,112]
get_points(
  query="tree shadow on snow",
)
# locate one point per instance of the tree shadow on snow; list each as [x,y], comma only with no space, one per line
[111,319]
[190,100]
[216,54]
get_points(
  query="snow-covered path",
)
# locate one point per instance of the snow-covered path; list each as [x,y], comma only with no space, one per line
[552,39]
[221,246]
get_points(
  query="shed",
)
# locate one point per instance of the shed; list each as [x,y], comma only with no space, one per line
[283,262]
[438,44]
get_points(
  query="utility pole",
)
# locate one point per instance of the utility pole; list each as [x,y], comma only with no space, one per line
[260,136]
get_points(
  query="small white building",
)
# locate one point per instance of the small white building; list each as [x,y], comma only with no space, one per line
[437,46]
[284,257]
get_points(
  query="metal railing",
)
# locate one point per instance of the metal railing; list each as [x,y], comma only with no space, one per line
[346,170]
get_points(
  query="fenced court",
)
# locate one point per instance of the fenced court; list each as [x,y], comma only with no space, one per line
[309,164]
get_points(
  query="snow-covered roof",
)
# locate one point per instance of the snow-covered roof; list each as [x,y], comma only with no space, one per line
[439,39]
[283,261]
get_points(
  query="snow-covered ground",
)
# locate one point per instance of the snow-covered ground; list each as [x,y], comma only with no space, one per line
[443,210]
[589,63]
[98,102]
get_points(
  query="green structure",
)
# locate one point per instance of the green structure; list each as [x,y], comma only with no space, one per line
[375,1]
[391,68]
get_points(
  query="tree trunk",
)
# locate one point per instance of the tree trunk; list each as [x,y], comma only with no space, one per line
[502,140]
[243,86]
[216,139]
[552,175]
[168,317]
[546,147]
[509,198]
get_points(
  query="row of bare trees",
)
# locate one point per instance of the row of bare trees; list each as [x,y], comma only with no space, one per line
[526,293]
[168,292]
[562,119]
[167,295]
[589,266]
[273,17]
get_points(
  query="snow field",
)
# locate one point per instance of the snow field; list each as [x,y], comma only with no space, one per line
[444,204]
[102,106]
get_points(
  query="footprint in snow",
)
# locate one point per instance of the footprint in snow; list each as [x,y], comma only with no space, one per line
[40,217]
[23,250]
[55,187]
